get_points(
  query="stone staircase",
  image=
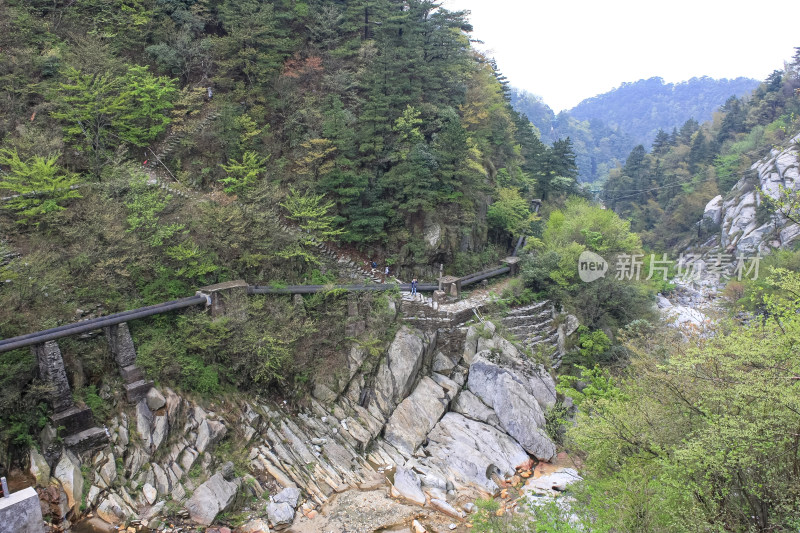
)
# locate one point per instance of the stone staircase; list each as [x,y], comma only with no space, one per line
[346,265]
[173,140]
[533,325]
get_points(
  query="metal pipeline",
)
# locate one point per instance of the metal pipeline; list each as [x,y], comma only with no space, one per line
[313,289]
[484,275]
[97,323]
[69,326]
[520,242]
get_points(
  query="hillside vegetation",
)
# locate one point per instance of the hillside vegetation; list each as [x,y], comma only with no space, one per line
[368,124]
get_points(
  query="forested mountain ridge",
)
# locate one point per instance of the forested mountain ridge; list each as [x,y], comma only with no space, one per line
[606,127]
[643,107]
[664,191]
[376,117]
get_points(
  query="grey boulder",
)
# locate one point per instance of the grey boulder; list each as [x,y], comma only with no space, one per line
[211,498]
[416,416]
[511,397]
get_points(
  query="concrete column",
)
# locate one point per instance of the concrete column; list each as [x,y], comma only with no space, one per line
[455,289]
[438,296]
[51,370]
[21,512]
[513,264]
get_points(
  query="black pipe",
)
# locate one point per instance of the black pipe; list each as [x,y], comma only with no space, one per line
[124,316]
[517,247]
[69,326]
[485,275]
[313,289]
[97,323]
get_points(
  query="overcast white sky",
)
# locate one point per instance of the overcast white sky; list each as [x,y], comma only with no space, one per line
[568,50]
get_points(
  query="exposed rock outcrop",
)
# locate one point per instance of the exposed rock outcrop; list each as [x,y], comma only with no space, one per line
[512,399]
[281,507]
[416,416]
[398,370]
[211,498]
[451,411]
[745,228]
[68,473]
[468,452]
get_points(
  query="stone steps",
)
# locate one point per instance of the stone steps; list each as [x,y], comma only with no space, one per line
[74,420]
[528,309]
[137,390]
[519,320]
[526,330]
[539,340]
[131,374]
[88,439]
[532,325]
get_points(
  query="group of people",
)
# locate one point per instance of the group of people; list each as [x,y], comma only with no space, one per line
[374,266]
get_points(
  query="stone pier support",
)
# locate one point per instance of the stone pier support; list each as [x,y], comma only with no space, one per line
[76,423]
[513,264]
[227,299]
[121,344]
[451,285]
[52,371]
[123,351]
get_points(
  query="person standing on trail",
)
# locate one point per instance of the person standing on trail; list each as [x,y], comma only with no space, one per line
[414,287]
[386,272]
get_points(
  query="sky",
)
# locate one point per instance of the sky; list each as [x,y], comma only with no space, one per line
[569,50]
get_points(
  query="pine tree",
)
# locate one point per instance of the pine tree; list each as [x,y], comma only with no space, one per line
[39,185]
[661,144]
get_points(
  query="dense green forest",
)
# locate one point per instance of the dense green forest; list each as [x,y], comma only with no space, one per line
[664,191]
[605,128]
[380,111]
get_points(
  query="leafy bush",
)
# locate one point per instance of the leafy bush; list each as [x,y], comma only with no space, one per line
[550,268]
[716,414]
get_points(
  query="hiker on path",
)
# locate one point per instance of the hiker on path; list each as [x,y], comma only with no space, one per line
[414,287]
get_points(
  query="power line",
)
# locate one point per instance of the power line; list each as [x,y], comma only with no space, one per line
[636,192]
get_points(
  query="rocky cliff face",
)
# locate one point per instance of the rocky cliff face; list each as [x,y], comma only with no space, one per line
[445,415]
[745,225]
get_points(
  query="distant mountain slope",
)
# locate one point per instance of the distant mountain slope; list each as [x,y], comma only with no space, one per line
[605,128]
[640,108]
[597,147]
